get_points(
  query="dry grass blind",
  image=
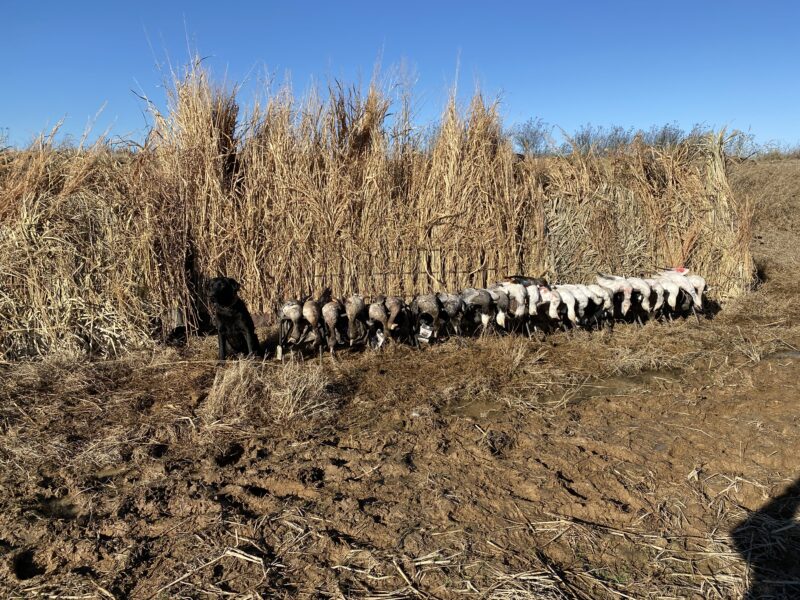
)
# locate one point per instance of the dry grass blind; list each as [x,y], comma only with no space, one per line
[99,245]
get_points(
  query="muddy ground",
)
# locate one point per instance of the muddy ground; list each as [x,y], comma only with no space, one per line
[648,462]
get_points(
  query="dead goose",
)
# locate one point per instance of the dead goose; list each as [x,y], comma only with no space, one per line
[697,282]
[620,287]
[427,310]
[501,303]
[700,285]
[400,322]
[643,293]
[672,293]
[683,283]
[534,303]
[607,297]
[453,307]
[534,300]
[526,281]
[569,301]
[581,299]
[604,294]
[479,308]
[314,322]
[517,303]
[595,311]
[658,291]
[552,298]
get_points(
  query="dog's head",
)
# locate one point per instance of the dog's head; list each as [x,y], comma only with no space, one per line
[222,290]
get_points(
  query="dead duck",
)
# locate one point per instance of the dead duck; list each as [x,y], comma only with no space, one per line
[334,319]
[377,321]
[290,321]
[314,322]
[356,310]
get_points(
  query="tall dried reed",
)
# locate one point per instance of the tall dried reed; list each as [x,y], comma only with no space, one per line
[99,246]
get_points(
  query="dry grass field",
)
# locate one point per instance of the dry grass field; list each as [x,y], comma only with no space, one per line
[645,462]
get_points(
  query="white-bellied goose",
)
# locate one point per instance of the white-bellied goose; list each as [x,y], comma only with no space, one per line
[620,287]
[453,307]
[427,310]
[479,308]
[400,323]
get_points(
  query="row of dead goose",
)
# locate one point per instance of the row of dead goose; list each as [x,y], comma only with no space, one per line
[527,305]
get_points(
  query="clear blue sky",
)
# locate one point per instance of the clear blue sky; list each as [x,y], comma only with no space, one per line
[732,63]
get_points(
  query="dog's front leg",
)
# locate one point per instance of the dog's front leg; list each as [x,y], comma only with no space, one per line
[252,343]
[221,343]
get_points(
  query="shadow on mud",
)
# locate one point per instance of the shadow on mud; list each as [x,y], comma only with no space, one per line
[769,540]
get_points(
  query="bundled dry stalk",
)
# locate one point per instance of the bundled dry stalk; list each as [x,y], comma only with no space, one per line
[98,246]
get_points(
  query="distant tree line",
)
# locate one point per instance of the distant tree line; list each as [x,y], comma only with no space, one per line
[536,137]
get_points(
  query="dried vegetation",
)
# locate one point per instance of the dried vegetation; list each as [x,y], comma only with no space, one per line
[99,245]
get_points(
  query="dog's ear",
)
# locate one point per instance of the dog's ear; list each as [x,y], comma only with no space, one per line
[234,284]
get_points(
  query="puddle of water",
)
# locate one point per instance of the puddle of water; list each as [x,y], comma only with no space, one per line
[58,508]
[783,355]
[478,409]
[486,407]
[618,386]
[110,472]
